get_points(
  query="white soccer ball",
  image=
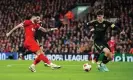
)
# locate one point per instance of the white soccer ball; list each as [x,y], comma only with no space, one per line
[86,67]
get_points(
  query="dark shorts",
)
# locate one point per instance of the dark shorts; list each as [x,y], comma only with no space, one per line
[100,45]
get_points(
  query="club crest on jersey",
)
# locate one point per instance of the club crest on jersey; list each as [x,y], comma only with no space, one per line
[101,46]
[32,29]
[104,25]
[96,25]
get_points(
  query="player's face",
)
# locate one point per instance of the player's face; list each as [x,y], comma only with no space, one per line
[100,17]
[37,19]
[112,38]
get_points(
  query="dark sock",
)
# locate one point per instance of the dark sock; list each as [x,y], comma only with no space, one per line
[96,57]
[105,60]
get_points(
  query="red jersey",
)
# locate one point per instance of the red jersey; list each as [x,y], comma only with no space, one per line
[112,45]
[30,28]
[30,42]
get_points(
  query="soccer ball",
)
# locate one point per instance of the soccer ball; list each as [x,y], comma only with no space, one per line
[86,67]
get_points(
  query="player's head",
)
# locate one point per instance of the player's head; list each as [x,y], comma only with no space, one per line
[112,38]
[100,15]
[35,17]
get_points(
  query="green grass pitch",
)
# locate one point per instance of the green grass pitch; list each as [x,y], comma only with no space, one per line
[71,70]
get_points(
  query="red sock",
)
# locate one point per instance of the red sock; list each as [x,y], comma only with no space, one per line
[36,61]
[44,58]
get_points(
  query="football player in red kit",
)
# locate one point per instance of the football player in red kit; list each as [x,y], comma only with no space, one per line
[112,44]
[30,43]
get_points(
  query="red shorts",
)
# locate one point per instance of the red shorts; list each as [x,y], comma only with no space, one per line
[31,45]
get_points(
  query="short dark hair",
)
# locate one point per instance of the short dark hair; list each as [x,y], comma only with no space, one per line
[100,12]
[35,14]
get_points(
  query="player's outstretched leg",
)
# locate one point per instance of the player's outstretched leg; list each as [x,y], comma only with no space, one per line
[36,61]
[41,57]
[107,57]
[48,62]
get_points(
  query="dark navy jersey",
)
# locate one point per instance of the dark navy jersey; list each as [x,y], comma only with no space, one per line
[100,29]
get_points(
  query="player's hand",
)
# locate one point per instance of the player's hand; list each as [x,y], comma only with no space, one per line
[7,34]
[39,22]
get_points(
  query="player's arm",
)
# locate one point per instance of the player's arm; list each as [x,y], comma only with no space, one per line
[91,32]
[91,23]
[113,26]
[16,27]
[44,29]
[37,41]
[47,30]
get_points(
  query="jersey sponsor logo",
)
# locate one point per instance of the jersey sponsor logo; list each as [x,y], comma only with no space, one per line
[101,46]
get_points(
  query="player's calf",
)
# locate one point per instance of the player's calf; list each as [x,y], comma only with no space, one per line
[102,65]
[106,58]
[44,58]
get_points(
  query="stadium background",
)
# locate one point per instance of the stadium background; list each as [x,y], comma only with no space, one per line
[71,42]
[73,35]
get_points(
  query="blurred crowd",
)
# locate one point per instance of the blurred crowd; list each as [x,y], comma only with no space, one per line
[71,37]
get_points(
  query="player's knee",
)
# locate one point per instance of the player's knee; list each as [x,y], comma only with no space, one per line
[106,50]
[39,52]
[108,53]
[110,56]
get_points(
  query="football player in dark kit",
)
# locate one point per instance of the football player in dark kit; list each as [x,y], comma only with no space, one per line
[100,26]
